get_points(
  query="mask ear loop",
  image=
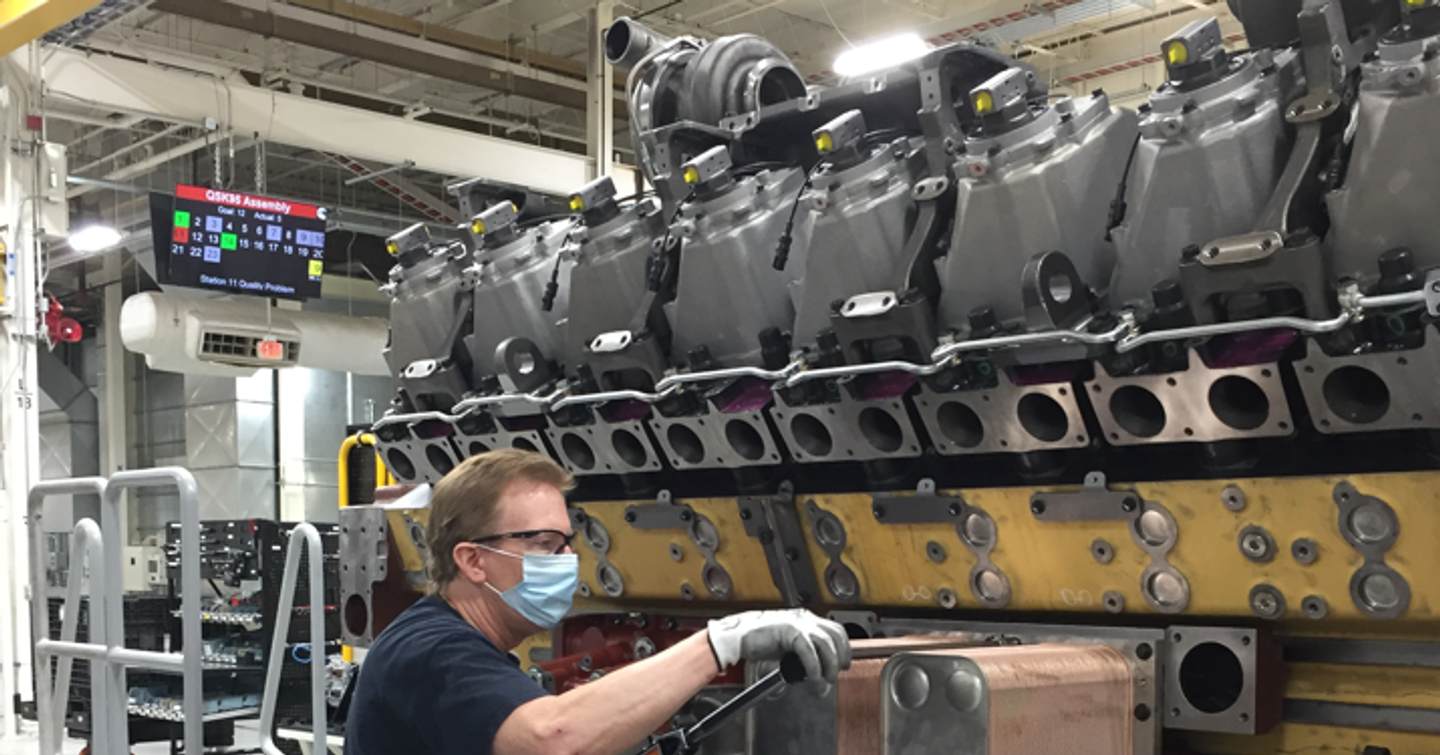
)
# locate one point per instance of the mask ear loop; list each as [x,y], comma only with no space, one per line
[503,553]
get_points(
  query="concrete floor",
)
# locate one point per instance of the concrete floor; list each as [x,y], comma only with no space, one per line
[28,743]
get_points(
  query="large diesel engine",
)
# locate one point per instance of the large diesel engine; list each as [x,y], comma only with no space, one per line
[947,353]
[943,259]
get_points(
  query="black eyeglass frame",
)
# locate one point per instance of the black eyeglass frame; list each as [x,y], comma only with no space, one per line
[566,538]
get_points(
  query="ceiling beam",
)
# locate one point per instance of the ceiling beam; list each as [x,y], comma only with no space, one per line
[398,50]
[177,96]
[407,191]
[447,34]
[447,112]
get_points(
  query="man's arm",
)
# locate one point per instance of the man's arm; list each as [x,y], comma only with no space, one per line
[614,712]
[620,709]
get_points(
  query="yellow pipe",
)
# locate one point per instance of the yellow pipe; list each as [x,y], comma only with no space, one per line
[382,472]
[24,20]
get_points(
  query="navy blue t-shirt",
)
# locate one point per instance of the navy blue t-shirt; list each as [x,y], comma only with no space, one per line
[434,685]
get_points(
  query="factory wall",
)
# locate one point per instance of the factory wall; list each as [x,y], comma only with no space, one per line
[257,445]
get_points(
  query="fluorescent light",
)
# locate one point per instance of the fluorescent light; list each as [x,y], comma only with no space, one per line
[94,238]
[881,53]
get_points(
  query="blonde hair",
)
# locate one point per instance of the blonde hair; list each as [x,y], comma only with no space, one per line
[465,502]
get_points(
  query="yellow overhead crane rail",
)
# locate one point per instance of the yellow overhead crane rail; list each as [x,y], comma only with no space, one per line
[24,20]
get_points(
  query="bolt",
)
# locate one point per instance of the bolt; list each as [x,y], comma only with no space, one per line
[1233,498]
[878,510]
[1144,651]
[1305,550]
[1267,602]
[630,517]
[1129,504]
[1255,544]
[745,514]
[1037,507]
[684,516]
[791,554]
[955,509]
[1142,712]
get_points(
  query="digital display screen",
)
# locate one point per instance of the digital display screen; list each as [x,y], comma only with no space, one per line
[239,243]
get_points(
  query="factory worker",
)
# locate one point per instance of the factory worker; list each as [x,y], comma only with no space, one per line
[440,678]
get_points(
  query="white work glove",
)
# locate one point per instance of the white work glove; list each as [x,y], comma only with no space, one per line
[821,645]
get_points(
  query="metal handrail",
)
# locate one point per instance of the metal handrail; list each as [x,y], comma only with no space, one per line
[192,703]
[303,534]
[51,721]
[86,541]
[87,546]
[107,653]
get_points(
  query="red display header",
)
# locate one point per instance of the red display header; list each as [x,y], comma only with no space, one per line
[249,201]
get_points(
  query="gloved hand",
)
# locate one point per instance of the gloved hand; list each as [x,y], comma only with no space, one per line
[822,646]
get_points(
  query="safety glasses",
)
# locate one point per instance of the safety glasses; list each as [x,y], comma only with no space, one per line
[545,541]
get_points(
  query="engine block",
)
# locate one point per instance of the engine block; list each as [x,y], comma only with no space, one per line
[935,350]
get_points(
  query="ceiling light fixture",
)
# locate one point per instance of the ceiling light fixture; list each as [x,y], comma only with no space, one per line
[94,238]
[881,53]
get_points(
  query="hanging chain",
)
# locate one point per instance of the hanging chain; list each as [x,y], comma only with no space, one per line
[215,176]
[260,168]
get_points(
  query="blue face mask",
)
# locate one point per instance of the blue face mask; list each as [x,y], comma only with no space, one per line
[544,595]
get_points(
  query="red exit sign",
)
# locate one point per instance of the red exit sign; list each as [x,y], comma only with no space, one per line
[270,350]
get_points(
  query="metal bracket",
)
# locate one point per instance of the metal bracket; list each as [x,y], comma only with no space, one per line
[1055,295]
[364,558]
[1093,502]
[1432,293]
[664,514]
[925,507]
[1327,56]
[1247,247]
[521,363]
[1299,267]
[869,305]
[929,188]
[774,522]
[882,315]
[607,343]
